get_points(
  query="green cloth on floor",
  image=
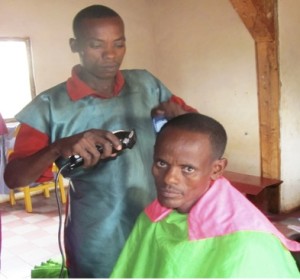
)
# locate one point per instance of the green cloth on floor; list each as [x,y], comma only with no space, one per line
[49,269]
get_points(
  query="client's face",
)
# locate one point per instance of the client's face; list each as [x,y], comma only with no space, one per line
[182,168]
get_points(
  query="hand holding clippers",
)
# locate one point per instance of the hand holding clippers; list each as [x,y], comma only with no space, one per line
[127,139]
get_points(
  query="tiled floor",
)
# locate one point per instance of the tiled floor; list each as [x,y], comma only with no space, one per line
[28,239]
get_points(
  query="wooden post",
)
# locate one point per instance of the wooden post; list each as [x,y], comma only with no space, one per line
[260,18]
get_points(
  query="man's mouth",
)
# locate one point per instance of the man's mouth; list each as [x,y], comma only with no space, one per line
[112,67]
[169,193]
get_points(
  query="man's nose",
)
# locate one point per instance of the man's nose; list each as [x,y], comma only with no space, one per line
[109,52]
[171,176]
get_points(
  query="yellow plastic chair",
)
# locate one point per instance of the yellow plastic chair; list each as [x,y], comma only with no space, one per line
[45,187]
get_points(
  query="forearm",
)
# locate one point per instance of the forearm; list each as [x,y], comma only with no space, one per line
[23,171]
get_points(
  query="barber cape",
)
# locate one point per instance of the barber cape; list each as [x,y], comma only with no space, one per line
[223,236]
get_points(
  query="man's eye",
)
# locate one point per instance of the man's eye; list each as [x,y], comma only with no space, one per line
[95,45]
[161,163]
[188,169]
[120,44]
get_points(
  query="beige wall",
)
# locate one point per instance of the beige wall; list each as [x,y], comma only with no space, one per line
[206,56]
[49,25]
[201,51]
[289,35]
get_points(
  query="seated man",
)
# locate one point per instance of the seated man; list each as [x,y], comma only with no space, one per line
[200,226]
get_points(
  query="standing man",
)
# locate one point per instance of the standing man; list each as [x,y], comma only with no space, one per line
[109,190]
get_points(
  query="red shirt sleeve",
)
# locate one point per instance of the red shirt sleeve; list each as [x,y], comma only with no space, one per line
[29,141]
[180,102]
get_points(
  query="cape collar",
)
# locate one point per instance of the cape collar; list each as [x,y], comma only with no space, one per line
[220,211]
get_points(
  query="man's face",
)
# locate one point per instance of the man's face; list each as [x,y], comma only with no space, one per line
[182,168]
[101,46]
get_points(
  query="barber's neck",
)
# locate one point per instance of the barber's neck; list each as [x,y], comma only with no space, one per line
[105,86]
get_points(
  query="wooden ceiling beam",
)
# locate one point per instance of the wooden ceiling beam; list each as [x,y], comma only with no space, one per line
[258,16]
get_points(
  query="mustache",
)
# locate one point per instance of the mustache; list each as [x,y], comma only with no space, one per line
[169,188]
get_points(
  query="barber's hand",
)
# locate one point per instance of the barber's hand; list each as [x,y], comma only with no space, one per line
[84,145]
[168,109]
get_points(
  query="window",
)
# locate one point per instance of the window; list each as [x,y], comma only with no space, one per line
[17,85]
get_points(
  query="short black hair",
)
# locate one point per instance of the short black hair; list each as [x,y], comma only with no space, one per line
[94,11]
[196,122]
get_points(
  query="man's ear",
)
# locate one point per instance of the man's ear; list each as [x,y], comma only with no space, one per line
[219,166]
[74,45]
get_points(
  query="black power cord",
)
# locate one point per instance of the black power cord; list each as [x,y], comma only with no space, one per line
[59,208]
[127,139]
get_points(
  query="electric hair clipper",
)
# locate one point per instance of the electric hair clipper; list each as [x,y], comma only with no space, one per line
[127,139]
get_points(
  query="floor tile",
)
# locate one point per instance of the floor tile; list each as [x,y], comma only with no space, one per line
[28,239]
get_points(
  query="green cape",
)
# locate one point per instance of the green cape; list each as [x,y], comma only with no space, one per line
[162,250]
